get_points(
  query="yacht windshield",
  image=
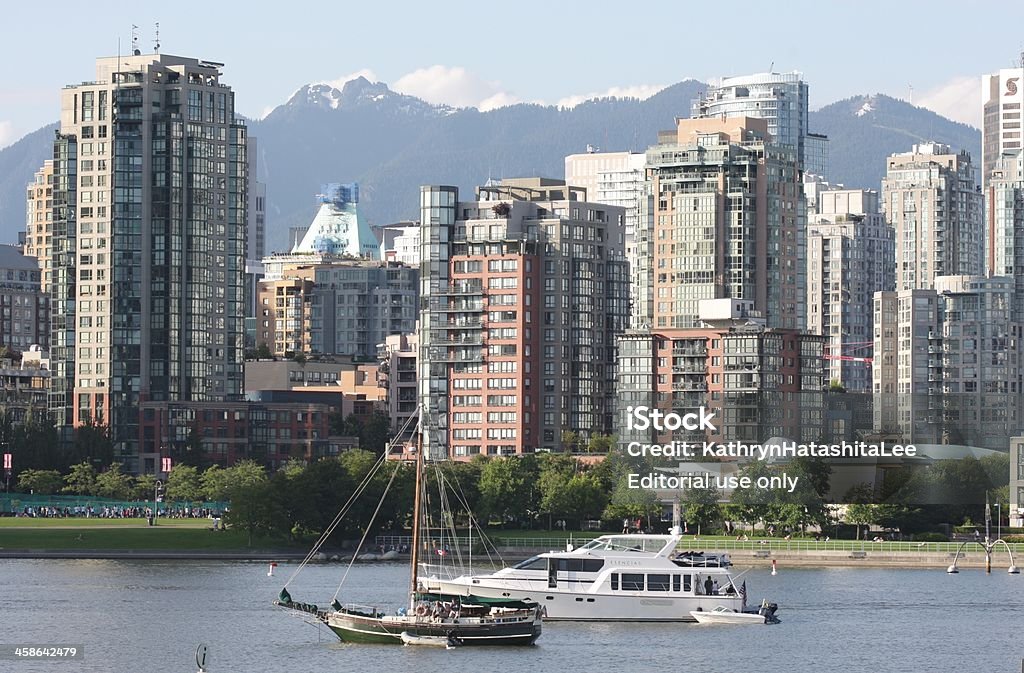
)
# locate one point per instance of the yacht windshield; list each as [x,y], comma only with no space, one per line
[534,563]
[645,545]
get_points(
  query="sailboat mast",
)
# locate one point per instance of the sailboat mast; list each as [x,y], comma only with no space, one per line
[416,518]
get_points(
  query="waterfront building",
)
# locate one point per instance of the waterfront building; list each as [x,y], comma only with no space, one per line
[1002,96]
[398,358]
[931,199]
[1004,225]
[779,98]
[850,256]
[266,431]
[619,179]
[325,304]
[148,245]
[24,386]
[38,221]
[24,306]
[760,382]
[400,242]
[727,222]
[523,291]
[947,367]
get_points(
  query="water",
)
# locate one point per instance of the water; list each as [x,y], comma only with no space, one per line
[139,616]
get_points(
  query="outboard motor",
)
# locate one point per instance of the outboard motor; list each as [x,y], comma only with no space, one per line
[767,611]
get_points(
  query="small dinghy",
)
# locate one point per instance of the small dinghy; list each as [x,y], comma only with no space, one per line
[430,641]
[724,615]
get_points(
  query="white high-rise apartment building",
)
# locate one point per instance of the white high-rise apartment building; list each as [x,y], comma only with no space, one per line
[1002,97]
[148,241]
[931,199]
[780,98]
[850,253]
[619,179]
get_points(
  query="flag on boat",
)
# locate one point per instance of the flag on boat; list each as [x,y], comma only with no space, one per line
[743,594]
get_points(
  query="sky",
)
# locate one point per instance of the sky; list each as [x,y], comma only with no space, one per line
[493,54]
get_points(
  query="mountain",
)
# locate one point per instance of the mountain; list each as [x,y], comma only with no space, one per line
[392,143]
[18,163]
[864,130]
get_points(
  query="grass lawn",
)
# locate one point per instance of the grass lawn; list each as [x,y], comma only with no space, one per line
[77,523]
[127,534]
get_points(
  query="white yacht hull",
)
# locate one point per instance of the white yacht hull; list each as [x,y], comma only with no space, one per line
[561,605]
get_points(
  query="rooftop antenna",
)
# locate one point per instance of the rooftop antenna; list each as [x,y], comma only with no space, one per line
[911,93]
[135,40]
[771,68]
[156,46]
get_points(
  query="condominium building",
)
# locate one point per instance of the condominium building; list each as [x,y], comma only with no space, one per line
[947,367]
[400,242]
[850,256]
[727,222]
[38,221]
[398,358]
[931,199]
[779,98]
[24,306]
[1004,224]
[523,291]
[148,245]
[759,382]
[1002,96]
[619,179]
[334,306]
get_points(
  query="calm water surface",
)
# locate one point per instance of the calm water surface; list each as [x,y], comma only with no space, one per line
[139,616]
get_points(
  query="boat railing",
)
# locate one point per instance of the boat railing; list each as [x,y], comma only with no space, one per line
[811,545]
[498,540]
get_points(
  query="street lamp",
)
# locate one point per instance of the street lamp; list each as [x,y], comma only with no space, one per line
[156,494]
[999,521]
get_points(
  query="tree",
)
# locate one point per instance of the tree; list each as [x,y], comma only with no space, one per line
[571,441]
[45,482]
[92,442]
[252,509]
[601,444]
[113,483]
[143,487]
[632,503]
[185,483]
[508,489]
[860,511]
[81,480]
[700,506]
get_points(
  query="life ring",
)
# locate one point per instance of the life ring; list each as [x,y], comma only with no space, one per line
[421,610]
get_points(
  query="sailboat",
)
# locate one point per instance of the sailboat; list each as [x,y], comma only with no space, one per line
[463,619]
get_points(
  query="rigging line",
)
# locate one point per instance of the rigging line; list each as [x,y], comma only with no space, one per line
[344,510]
[337,519]
[446,507]
[484,540]
[366,531]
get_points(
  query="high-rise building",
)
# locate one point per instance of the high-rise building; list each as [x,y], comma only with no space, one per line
[148,245]
[25,320]
[38,221]
[619,179]
[726,222]
[1002,96]
[759,382]
[523,292]
[947,367]
[931,198]
[335,306]
[400,242]
[850,256]
[1017,482]
[779,98]
[1004,225]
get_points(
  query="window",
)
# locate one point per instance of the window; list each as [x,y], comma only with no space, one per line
[632,582]
[657,582]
